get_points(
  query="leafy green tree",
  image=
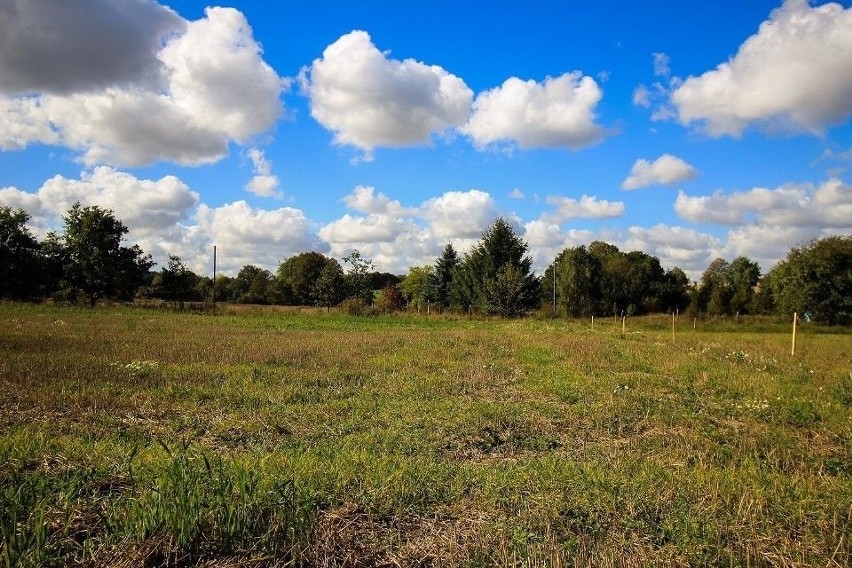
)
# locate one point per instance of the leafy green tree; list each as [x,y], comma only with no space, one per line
[251,285]
[743,276]
[675,291]
[416,287]
[715,292]
[644,283]
[509,293]
[297,276]
[224,288]
[577,275]
[330,287]
[477,274]
[613,271]
[259,289]
[176,282]
[442,276]
[816,280]
[20,257]
[381,280]
[95,262]
[358,277]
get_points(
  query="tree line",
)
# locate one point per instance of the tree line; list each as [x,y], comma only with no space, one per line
[88,262]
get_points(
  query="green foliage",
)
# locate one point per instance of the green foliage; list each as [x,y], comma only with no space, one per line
[816,279]
[175,282]
[578,276]
[94,262]
[602,280]
[358,277]
[478,275]
[296,279]
[442,276]
[20,257]
[251,285]
[418,286]
[330,286]
[728,288]
[509,293]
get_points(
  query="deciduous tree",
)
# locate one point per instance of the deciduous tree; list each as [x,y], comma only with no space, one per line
[96,263]
[816,279]
[20,258]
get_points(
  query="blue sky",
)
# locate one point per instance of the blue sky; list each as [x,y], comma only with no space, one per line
[271,128]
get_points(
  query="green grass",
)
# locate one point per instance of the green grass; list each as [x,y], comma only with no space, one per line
[266,437]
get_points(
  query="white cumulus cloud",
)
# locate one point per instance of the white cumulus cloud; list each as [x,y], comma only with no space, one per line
[247,235]
[687,249]
[587,207]
[460,214]
[263,183]
[185,92]
[665,170]
[556,113]
[793,74]
[145,206]
[828,205]
[370,100]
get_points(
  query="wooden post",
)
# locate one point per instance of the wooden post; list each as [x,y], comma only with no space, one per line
[694,322]
[795,319]
[593,322]
[673,327]
[623,324]
[214,275]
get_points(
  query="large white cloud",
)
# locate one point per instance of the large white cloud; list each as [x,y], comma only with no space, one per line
[793,74]
[166,217]
[828,205]
[397,237]
[198,85]
[687,249]
[460,214]
[145,206]
[247,235]
[665,170]
[369,100]
[556,113]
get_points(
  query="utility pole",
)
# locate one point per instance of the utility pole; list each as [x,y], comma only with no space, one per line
[553,275]
[214,275]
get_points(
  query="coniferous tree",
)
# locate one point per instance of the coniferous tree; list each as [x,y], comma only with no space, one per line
[442,276]
[479,274]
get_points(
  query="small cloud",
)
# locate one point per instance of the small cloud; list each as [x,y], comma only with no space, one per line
[263,183]
[516,194]
[587,207]
[661,65]
[642,96]
[665,170]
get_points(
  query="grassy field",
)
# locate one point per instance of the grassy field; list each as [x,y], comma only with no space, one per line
[134,437]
